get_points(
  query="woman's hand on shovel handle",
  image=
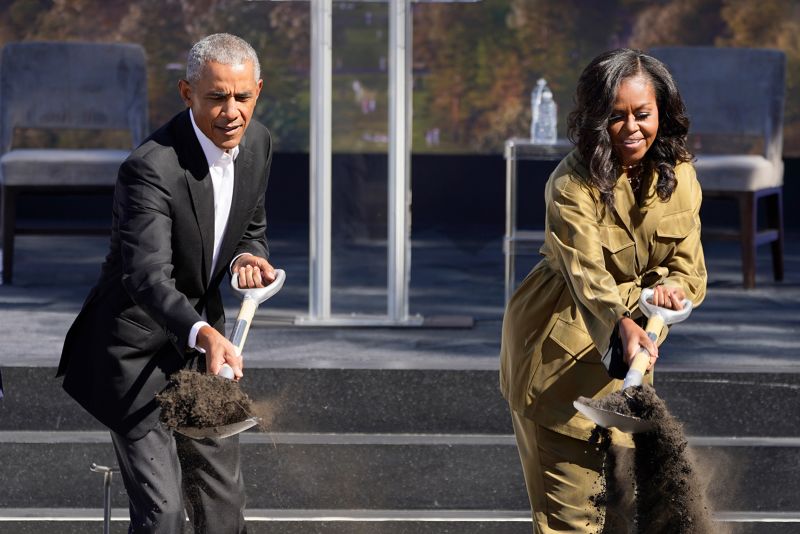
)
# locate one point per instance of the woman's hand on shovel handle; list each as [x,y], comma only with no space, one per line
[253,271]
[633,337]
[668,297]
[218,351]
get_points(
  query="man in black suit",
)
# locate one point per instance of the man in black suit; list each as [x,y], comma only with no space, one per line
[188,211]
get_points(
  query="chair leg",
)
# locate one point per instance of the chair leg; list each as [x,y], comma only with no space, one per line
[8,208]
[774,205]
[748,221]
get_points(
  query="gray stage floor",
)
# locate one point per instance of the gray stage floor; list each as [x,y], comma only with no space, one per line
[452,274]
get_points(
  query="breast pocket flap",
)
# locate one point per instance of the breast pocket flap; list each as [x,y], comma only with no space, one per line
[572,339]
[614,239]
[676,225]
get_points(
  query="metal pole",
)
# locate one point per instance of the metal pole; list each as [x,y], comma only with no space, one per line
[399,250]
[319,290]
[509,241]
[107,502]
[108,473]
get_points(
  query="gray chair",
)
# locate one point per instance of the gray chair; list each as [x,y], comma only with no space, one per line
[735,98]
[57,86]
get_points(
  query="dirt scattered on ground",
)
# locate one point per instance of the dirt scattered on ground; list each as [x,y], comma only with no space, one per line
[668,497]
[202,400]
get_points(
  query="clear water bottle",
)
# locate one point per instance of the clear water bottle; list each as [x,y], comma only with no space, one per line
[536,99]
[544,115]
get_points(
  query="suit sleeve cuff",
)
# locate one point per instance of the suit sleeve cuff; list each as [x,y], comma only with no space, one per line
[230,267]
[193,335]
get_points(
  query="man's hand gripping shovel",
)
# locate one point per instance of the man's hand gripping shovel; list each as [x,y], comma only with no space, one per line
[657,318]
[251,299]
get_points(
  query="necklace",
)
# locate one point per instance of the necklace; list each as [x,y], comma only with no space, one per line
[635,183]
[634,178]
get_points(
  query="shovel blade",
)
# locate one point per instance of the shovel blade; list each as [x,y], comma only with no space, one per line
[608,419]
[222,431]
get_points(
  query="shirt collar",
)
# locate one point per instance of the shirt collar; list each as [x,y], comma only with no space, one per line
[212,152]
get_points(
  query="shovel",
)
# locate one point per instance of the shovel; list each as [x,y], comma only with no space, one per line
[657,318]
[251,298]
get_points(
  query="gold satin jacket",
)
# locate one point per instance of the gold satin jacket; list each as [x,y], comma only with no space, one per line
[596,261]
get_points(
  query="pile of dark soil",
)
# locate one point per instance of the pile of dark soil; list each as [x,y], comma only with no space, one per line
[668,496]
[202,400]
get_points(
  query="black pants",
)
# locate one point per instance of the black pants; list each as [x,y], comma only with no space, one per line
[166,473]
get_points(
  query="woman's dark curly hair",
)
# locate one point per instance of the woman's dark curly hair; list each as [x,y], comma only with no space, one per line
[594,102]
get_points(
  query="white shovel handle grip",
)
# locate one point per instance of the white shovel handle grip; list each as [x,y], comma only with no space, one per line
[260,294]
[226,371]
[669,316]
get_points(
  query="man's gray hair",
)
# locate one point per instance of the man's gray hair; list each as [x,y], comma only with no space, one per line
[220,48]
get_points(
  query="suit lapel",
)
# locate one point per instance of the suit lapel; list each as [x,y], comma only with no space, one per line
[203,203]
[200,188]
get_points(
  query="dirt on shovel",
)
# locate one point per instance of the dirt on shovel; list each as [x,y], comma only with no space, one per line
[668,497]
[202,400]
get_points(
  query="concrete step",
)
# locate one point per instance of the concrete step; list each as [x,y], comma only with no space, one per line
[381,471]
[448,401]
[265,524]
[397,450]
[80,521]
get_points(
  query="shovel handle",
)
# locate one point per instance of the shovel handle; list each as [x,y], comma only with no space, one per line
[642,358]
[243,320]
[239,334]
[251,298]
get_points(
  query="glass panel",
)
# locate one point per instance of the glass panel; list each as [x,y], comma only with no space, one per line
[360,160]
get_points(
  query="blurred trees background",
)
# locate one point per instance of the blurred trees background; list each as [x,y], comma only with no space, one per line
[474,64]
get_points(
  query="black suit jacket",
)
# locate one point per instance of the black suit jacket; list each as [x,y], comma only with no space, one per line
[132,331]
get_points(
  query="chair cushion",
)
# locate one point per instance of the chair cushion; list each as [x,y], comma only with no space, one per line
[737,172]
[60,167]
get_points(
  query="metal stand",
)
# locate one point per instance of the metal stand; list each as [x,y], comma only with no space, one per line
[400,106]
[518,149]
